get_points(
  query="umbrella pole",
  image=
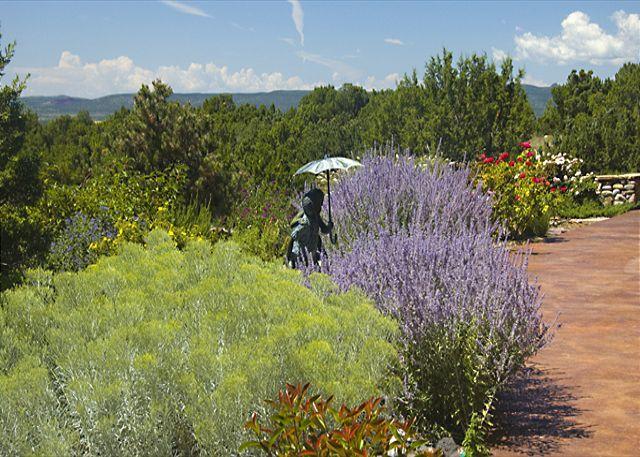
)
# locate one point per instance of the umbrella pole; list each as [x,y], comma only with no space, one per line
[331,237]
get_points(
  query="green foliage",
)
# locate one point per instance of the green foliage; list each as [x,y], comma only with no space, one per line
[456,109]
[598,121]
[591,208]
[20,185]
[454,383]
[157,351]
[308,425]
[523,197]
[261,221]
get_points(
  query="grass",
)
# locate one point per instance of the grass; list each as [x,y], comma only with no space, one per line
[591,208]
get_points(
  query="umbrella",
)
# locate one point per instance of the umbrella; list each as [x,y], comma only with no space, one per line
[326,165]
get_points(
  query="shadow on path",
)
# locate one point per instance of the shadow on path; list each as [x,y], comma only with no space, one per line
[536,413]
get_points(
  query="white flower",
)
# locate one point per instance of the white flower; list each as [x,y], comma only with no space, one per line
[565,177]
[578,173]
[556,179]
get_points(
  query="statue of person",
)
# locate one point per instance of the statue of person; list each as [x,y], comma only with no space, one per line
[306,227]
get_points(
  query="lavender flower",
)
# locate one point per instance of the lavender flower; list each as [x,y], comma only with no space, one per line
[420,241]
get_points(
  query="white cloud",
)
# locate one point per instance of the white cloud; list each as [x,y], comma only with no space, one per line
[498,54]
[298,18]
[394,41]
[584,41]
[519,29]
[289,41]
[336,66]
[240,27]
[73,77]
[388,82]
[184,8]
[528,79]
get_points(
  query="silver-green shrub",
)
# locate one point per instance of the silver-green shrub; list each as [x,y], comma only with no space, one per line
[157,351]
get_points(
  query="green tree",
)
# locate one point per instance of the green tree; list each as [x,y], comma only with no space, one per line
[598,121]
[20,186]
[158,134]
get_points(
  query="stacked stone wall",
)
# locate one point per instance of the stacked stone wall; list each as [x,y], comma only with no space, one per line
[618,189]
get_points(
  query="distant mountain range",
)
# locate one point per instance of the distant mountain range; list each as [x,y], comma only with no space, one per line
[50,107]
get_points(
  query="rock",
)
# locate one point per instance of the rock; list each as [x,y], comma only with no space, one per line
[449,447]
[605,193]
[618,186]
[616,191]
[606,187]
[630,186]
[618,202]
[607,201]
[426,451]
[632,199]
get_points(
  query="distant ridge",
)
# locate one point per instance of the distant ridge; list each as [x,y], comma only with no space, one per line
[49,107]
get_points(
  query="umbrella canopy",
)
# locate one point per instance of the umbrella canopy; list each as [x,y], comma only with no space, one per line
[328,164]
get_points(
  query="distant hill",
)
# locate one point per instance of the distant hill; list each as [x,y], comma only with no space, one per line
[538,97]
[99,108]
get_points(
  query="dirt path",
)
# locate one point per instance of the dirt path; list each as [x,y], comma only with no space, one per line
[582,397]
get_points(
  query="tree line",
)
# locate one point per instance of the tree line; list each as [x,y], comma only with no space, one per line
[457,109]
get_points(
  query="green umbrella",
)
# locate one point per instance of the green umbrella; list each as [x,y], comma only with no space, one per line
[327,165]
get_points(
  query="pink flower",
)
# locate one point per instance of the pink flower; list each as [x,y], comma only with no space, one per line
[489,160]
[529,154]
[563,189]
[504,156]
[525,145]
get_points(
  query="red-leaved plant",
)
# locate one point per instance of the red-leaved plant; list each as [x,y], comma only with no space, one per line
[304,425]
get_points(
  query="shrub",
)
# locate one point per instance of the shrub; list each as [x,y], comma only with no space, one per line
[523,197]
[308,425]
[420,241]
[77,246]
[260,221]
[161,352]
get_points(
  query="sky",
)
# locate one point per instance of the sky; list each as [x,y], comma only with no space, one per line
[91,49]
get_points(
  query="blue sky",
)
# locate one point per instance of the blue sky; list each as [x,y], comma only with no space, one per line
[92,49]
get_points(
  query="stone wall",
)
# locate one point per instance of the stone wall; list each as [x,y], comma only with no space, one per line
[618,189]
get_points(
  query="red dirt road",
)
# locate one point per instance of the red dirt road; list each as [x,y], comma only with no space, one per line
[583,395]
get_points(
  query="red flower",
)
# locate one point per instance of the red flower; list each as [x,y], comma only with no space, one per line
[563,189]
[512,163]
[503,156]
[536,180]
[488,160]
[528,163]
[553,189]
[529,154]
[522,175]
[483,156]
[518,198]
[525,145]
[519,159]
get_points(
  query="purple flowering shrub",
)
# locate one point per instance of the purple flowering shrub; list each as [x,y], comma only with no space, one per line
[72,249]
[420,241]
